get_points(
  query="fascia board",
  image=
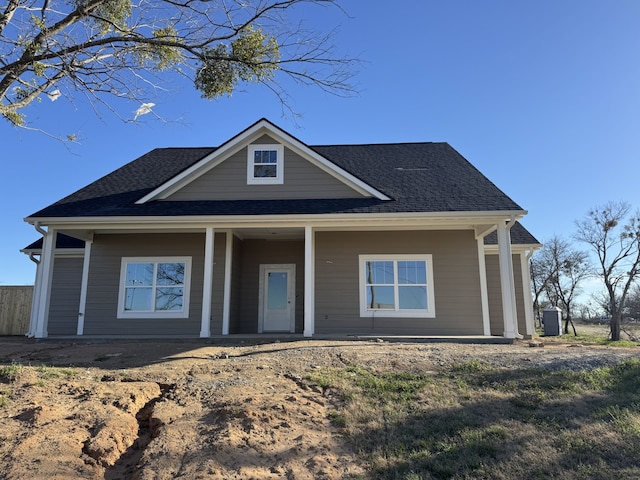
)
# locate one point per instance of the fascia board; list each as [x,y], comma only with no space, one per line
[66,252]
[246,137]
[515,247]
[228,221]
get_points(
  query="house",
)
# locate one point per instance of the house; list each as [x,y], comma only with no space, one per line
[265,234]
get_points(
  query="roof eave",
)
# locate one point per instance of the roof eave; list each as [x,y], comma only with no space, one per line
[440,218]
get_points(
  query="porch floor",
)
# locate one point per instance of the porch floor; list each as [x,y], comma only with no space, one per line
[283,337]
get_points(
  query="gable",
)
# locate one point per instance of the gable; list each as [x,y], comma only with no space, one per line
[228,180]
[250,137]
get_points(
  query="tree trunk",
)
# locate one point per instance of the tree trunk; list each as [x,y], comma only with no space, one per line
[568,320]
[614,326]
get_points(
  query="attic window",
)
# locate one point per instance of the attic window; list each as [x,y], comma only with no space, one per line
[265,164]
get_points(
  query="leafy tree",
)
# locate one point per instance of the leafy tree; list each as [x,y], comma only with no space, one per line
[613,232]
[561,269]
[107,49]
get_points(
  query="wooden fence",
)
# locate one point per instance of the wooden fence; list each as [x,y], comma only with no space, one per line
[15,309]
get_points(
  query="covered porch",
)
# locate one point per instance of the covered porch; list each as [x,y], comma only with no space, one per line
[259,278]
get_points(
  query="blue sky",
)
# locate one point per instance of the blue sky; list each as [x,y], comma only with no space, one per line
[542,97]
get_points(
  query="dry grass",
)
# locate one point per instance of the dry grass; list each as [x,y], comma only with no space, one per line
[474,421]
[594,334]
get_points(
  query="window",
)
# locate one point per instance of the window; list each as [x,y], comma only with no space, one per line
[154,287]
[396,286]
[265,164]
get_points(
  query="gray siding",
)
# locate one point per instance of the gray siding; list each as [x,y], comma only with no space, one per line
[236,285]
[65,296]
[257,252]
[456,282]
[228,181]
[217,298]
[102,292]
[495,294]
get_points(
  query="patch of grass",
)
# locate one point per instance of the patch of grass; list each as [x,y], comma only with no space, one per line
[625,420]
[475,421]
[387,387]
[339,419]
[471,366]
[4,398]
[587,336]
[45,372]
[9,373]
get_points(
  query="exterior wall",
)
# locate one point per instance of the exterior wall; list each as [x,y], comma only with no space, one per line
[456,282]
[65,296]
[236,285]
[104,277]
[257,252]
[495,294]
[228,181]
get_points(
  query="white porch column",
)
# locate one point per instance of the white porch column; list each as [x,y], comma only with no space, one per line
[484,292]
[44,290]
[35,301]
[83,286]
[507,284]
[207,284]
[309,283]
[226,299]
[528,296]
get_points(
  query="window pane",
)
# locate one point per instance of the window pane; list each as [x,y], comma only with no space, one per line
[265,156]
[137,299]
[413,298]
[277,290]
[170,274]
[380,297]
[379,272]
[169,299]
[139,274]
[265,171]
[412,272]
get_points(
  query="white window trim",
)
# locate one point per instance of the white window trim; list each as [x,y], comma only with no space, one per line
[279,178]
[184,313]
[429,312]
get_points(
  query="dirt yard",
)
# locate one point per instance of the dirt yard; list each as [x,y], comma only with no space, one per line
[165,410]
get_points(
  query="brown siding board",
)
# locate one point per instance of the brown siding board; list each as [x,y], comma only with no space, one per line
[456,282]
[228,181]
[65,296]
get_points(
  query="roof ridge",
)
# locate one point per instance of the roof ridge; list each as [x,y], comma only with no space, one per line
[381,144]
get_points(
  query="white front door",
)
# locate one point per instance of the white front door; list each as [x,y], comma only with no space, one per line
[277,298]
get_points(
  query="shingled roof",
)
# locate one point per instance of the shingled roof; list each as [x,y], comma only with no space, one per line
[418,177]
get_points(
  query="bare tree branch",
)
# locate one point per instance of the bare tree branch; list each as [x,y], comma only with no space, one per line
[614,234]
[115,47]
